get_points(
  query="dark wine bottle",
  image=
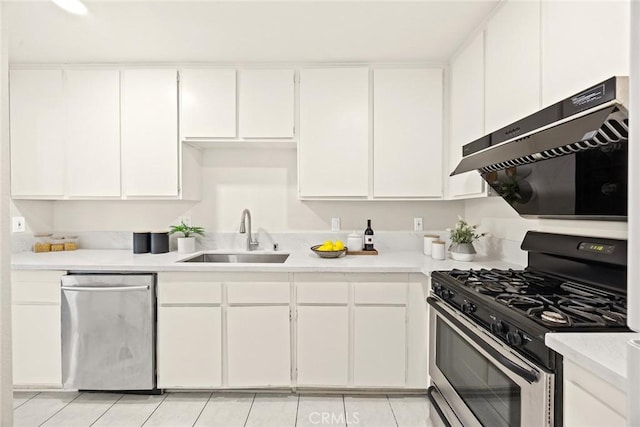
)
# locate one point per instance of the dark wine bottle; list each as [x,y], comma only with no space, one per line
[368,237]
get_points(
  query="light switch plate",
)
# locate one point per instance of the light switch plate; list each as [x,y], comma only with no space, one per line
[18,224]
[417,224]
[335,224]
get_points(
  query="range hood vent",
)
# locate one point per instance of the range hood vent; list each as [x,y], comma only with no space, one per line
[591,119]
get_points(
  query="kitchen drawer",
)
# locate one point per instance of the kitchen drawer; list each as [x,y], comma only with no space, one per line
[380,293]
[258,292]
[326,292]
[36,287]
[190,292]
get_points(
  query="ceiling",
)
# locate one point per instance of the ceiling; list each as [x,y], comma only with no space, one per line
[242,31]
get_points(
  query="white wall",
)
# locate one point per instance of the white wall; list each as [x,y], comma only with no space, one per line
[263,180]
[6,377]
[495,216]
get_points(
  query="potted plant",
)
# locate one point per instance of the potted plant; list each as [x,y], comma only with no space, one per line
[186,244]
[462,237]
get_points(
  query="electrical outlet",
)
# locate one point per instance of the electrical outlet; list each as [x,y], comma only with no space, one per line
[335,224]
[186,220]
[18,224]
[417,224]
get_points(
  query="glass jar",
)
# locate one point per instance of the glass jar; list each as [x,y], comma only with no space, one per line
[57,244]
[43,242]
[70,243]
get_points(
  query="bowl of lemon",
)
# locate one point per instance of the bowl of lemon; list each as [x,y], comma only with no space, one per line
[330,249]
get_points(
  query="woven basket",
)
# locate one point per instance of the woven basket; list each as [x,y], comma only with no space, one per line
[328,254]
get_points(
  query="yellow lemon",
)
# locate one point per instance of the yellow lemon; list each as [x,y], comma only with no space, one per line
[327,243]
[338,245]
[326,247]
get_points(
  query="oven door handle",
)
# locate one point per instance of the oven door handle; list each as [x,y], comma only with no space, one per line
[528,375]
[435,406]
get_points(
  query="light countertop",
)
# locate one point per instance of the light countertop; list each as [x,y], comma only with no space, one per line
[603,354]
[298,261]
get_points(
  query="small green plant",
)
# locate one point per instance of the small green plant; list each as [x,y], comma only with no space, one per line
[186,230]
[464,233]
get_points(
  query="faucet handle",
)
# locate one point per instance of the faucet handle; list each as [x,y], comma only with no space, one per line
[276,246]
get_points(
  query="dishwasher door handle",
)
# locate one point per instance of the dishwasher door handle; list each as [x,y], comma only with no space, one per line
[105,288]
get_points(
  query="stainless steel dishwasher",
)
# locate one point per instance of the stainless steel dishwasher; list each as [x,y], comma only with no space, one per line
[108,331]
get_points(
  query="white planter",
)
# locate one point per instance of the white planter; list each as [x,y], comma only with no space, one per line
[462,251]
[186,245]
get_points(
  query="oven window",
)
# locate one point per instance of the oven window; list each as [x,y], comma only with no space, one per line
[492,396]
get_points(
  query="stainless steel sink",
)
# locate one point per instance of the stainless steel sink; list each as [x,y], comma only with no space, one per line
[239,258]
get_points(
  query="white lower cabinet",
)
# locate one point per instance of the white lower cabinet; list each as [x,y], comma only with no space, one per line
[379,346]
[590,401]
[323,345]
[37,352]
[258,346]
[189,347]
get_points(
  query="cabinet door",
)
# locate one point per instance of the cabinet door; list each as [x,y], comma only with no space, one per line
[575,60]
[467,116]
[208,103]
[379,353]
[266,100]
[93,133]
[37,133]
[150,132]
[407,129]
[189,347]
[258,346]
[513,64]
[333,151]
[323,345]
[36,345]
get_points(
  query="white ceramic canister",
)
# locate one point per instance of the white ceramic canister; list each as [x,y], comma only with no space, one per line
[354,242]
[437,250]
[428,242]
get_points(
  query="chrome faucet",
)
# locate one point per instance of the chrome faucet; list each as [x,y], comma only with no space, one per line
[251,243]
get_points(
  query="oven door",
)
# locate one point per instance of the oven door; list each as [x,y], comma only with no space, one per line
[482,381]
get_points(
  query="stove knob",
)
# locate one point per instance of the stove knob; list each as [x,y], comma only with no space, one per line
[446,294]
[514,338]
[498,327]
[437,289]
[468,308]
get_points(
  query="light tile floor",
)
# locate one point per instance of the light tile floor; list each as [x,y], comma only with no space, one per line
[217,409]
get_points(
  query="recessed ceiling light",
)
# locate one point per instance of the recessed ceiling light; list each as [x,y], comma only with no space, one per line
[72,6]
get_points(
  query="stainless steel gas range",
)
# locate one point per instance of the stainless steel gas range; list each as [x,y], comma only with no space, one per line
[488,361]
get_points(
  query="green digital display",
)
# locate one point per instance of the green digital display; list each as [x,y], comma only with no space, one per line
[596,247]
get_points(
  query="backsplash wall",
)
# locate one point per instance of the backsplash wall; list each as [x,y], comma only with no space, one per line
[493,215]
[263,180]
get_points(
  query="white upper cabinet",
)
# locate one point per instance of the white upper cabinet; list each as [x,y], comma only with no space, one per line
[93,133]
[513,64]
[266,103]
[333,152]
[150,132]
[37,133]
[467,115]
[407,129]
[208,103]
[583,43]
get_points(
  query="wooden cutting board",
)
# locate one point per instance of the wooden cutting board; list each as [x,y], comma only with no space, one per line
[373,252]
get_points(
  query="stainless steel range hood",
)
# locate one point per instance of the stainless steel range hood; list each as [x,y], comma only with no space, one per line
[568,160]
[587,120]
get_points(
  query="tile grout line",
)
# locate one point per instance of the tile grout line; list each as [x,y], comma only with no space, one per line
[392,411]
[344,408]
[156,408]
[107,410]
[295,423]
[250,407]
[37,393]
[58,411]
[202,410]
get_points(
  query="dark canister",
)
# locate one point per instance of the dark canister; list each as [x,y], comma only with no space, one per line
[141,242]
[159,242]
